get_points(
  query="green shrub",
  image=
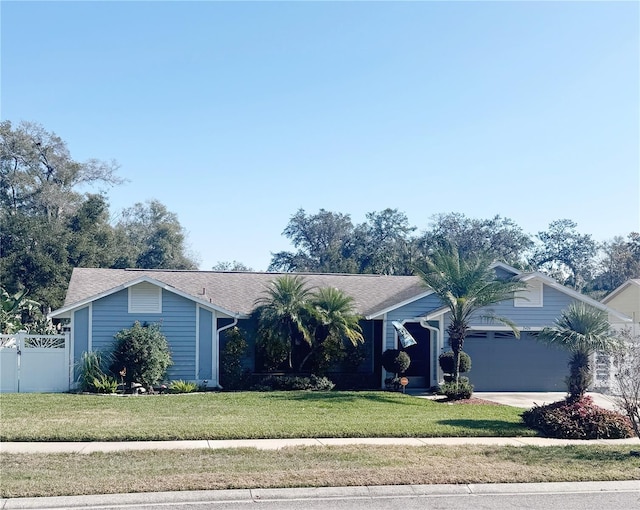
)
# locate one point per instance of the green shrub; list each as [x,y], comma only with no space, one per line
[395,361]
[293,383]
[234,376]
[141,354]
[104,384]
[577,419]
[461,390]
[181,386]
[445,360]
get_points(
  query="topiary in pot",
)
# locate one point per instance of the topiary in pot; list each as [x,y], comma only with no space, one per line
[395,361]
[445,360]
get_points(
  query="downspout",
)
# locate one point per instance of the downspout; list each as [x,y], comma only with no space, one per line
[435,350]
[439,344]
[216,351]
[384,347]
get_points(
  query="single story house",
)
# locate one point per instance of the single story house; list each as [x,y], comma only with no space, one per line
[196,307]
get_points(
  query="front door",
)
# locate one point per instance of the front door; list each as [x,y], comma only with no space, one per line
[419,370]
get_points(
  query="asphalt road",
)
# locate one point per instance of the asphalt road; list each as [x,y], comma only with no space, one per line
[556,496]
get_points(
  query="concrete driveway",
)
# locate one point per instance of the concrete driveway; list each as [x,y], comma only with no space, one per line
[527,400]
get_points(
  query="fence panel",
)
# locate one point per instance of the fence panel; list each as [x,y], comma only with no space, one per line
[8,364]
[35,363]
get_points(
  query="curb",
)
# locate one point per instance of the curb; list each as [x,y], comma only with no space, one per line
[319,493]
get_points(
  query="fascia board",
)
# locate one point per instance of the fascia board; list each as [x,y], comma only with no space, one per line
[506,267]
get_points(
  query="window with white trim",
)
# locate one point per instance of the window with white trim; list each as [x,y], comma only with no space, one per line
[531,296]
[145,298]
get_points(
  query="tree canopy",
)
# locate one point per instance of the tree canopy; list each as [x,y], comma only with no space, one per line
[50,224]
[55,215]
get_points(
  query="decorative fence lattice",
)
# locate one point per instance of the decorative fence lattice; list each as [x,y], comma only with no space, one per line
[44,342]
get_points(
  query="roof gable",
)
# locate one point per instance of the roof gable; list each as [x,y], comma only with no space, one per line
[634,282]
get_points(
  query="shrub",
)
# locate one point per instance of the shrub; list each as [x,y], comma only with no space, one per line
[181,386]
[104,384]
[395,361]
[293,383]
[577,419]
[445,360]
[141,354]
[461,390]
[233,372]
[89,370]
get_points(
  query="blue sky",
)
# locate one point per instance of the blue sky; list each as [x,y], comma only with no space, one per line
[236,114]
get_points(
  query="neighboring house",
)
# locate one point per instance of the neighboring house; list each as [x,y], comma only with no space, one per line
[195,307]
[626,300]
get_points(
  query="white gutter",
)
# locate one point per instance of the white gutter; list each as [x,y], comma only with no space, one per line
[216,352]
[435,377]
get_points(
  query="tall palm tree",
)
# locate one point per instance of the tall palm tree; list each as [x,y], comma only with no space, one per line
[335,321]
[284,314]
[583,330]
[465,285]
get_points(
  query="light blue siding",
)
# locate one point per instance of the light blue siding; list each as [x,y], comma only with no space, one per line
[177,320]
[206,343]
[80,335]
[554,302]
[409,311]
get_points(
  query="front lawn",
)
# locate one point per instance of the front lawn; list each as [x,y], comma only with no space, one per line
[247,415]
[24,475]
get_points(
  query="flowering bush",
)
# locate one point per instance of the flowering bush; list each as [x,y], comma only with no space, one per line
[578,419]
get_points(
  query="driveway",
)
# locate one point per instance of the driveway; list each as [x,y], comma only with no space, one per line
[527,400]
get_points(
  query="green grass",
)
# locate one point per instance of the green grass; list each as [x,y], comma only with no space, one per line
[69,417]
[24,475]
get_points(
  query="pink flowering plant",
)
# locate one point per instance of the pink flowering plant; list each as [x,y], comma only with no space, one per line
[578,419]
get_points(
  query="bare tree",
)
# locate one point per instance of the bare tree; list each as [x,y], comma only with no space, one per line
[626,363]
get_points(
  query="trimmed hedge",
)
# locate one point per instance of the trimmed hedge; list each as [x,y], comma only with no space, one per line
[460,391]
[445,360]
[293,383]
[578,419]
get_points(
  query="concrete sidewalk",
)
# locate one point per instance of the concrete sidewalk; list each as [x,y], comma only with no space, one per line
[275,444]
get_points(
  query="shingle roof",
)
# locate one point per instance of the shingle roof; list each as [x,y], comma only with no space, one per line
[238,292]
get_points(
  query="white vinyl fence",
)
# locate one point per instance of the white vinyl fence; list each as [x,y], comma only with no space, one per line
[34,363]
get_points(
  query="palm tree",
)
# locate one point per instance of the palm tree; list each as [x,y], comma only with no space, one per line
[284,314]
[583,330]
[335,321]
[465,285]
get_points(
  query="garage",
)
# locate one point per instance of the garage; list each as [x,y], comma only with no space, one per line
[502,362]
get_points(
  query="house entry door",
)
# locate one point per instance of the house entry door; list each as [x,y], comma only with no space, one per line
[419,373]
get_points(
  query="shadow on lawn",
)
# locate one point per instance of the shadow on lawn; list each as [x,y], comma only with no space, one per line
[347,397]
[496,427]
